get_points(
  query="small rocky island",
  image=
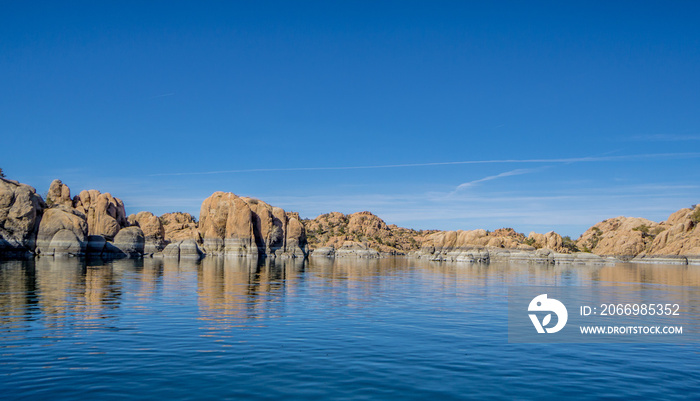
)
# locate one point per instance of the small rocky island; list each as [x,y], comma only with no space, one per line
[95,223]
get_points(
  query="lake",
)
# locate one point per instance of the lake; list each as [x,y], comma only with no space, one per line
[393,328]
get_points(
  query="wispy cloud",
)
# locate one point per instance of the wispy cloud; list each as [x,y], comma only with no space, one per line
[664,138]
[495,177]
[591,159]
[163,95]
[569,211]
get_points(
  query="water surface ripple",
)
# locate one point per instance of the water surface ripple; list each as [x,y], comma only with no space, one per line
[391,328]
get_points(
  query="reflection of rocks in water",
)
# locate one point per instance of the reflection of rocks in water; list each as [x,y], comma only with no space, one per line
[68,285]
[150,275]
[59,282]
[16,292]
[102,291]
[243,287]
[677,275]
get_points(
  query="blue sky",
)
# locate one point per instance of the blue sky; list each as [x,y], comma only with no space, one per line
[558,114]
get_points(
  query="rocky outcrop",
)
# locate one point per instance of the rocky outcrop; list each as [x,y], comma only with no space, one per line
[59,194]
[105,213]
[356,250]
[183,249]
[128,242]
[506,243]
[62,231]
[332,230]
[681,234]
[619,236]
[326,252]
[238,226]
[295,237]
[445,242]
[550,240]
[20,211]
[152,228]
[96,223]
[179,226]
[226,224]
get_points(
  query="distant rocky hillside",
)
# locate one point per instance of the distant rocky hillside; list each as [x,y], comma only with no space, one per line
[335,229]
[634,236]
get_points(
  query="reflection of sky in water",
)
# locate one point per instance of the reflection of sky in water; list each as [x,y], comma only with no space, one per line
[381,327]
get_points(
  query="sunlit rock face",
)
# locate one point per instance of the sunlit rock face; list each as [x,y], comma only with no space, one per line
[153,231]
[179,226]
[681,235]
[20,211]
[239,226]
[105,213]
[620,236]
[333,230]
[62,231]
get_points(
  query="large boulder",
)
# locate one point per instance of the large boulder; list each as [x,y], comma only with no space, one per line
[152,228]
[239,226]
[129,242]
[62,230]
[66,243]
[295,241]
[179,226]
[226,225]
[59,194]
[20,210]
[105,213]
[182,249]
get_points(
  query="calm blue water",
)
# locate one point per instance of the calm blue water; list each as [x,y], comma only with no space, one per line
[377,329]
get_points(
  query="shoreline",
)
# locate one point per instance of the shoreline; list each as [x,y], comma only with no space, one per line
[467,256]
[95,223]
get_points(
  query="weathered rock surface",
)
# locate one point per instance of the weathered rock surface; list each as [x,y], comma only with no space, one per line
[59,194]
[183,249]
[445,242]
[295,238]
[179,226]
[20,210]
[619,236]
[326,252]
[491,254]
[332,230]
[53,237]
[152,228]
[129,242]
[66,243]
[105,213]
[238,226]
[356,250]
[681,235]
[550,240]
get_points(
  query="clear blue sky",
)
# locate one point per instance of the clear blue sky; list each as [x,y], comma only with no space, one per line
[581,110]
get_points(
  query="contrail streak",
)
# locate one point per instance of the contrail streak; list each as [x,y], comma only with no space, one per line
[562,160]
